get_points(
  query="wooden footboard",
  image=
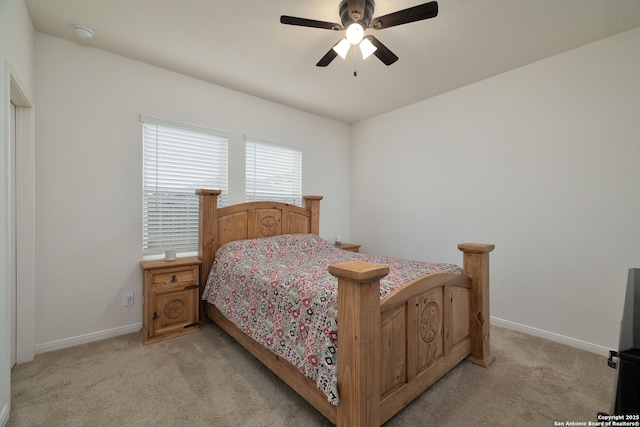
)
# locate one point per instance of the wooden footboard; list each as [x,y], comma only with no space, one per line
[396,348]
[390,350]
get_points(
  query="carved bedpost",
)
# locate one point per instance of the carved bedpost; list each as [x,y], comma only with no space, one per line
[359,342]
[476,266]
[312,203]
[208,235]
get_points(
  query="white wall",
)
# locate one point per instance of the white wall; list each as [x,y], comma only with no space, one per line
[89,169]
[16,57]
[543,162]
[539,161]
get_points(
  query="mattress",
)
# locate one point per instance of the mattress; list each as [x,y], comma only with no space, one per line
[278,291]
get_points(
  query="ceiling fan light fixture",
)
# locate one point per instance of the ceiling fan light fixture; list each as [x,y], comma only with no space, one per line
[355,33]
[342,48]
[367,48]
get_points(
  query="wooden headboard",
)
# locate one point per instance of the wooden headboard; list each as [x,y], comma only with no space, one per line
[249,221]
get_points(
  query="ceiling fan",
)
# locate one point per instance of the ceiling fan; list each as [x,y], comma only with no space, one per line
[357,16]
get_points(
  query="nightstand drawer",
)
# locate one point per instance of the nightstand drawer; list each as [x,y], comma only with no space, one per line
[184,276]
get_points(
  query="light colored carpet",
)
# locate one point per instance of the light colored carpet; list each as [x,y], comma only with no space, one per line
[207,379]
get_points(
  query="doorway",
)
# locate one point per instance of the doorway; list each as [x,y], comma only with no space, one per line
[21,222]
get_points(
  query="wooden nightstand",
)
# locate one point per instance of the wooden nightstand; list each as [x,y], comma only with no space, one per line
[351,247]
[171,293]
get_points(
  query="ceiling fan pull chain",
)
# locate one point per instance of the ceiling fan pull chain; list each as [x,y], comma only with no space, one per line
[355,61]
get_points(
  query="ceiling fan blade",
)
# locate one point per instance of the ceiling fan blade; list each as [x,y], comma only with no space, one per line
[326,60]
[412,14]
[303,22]
[357,7]
[382,52]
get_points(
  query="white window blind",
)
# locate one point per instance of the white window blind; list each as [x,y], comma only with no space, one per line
[178,159]
[273,172]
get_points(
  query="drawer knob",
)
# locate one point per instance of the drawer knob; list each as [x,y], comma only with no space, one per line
[174,279]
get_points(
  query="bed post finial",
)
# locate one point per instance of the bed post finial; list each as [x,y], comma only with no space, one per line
[312,204]
[476,266]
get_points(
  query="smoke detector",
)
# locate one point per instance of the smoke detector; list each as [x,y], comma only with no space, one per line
[83,32]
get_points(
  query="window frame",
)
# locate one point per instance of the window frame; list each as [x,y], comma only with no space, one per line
[254,191]
[174,186]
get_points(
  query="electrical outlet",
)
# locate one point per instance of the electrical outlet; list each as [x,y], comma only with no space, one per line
[127,299]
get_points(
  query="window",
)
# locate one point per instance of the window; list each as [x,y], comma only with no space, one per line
[274,172]
[177,160]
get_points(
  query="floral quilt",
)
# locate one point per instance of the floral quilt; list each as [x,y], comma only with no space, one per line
[278,291]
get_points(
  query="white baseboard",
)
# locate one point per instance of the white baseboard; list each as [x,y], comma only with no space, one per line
[96,336]
[572,342]
[83,339]
[4,415]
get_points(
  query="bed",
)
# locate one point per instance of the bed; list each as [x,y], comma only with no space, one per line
[394,342]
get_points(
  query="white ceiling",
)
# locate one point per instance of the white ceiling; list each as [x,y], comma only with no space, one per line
[243,46]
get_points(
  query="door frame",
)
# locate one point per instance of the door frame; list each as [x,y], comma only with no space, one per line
[23,181]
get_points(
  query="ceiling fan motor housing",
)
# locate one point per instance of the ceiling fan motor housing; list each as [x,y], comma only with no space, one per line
[364,17]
